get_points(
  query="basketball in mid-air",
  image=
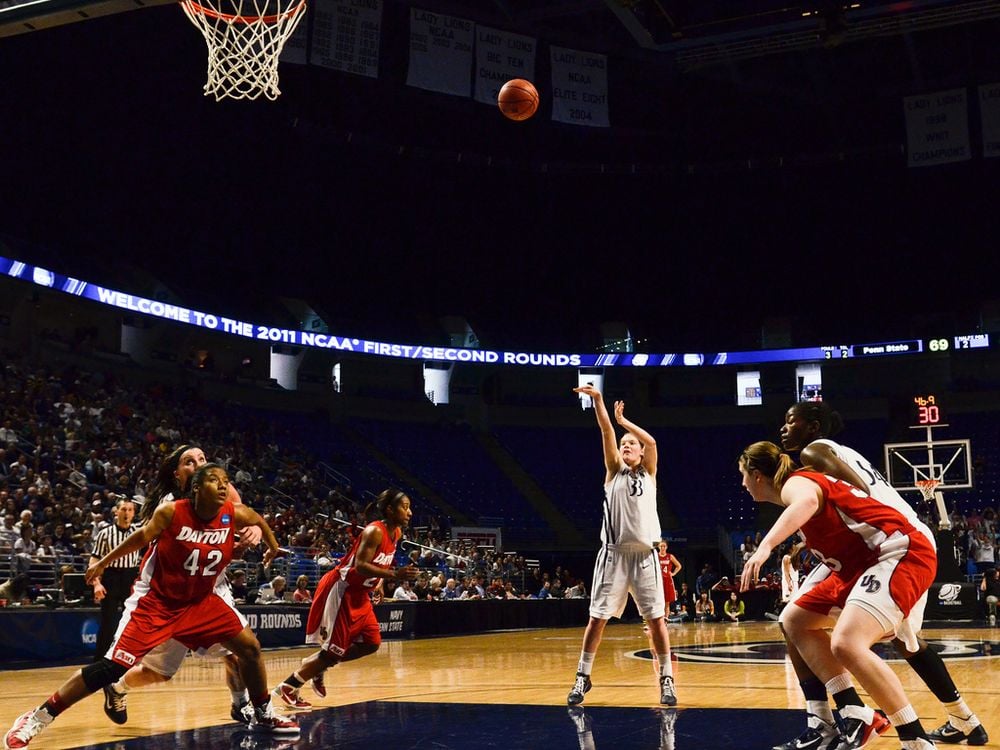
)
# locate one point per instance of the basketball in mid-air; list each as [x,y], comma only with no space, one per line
[518,99]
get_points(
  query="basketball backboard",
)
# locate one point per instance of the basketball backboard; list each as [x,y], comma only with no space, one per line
[949,461]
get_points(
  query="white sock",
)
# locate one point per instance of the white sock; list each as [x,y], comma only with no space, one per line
[841,682]
[121,686]
[240,697]
[586,663]
[961,716]
[821,710]
[905,715]
[666,668]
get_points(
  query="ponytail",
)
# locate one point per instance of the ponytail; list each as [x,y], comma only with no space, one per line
[769,460]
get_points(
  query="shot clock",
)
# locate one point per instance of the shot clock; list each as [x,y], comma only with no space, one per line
[926,411]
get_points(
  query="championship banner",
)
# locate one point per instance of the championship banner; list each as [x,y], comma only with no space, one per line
[296,47]
[440,53]
[989,111]
[346,34]
[579,87]
[501,56]
[937,128]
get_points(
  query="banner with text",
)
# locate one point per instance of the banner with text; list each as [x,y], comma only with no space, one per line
[989,111]
[579,87]
[501,56]
[440,53]
[346,34]
[937,128]
[295,49]
[169,313]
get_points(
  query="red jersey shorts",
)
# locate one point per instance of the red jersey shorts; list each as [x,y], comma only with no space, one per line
[148,621]
[669,592]
[893,589]
[341,615]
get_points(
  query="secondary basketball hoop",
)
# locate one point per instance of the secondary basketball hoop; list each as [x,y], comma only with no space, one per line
[245,39]
[927,487]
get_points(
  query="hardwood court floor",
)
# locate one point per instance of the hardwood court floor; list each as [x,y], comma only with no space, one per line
[717,667]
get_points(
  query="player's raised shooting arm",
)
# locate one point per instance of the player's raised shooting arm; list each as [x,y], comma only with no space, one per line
[136,540]
[608,440]
[820,457]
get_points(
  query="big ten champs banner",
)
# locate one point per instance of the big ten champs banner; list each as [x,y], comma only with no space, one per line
[989,111]
[440,53]
[579,87]
[296,49]
[346,35]
[501,56]
[937,128]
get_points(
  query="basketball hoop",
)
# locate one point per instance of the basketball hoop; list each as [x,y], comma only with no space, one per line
[245,39]
[927,487]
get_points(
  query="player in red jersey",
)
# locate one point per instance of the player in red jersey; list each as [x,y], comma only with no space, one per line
[174,597]
[341,617]
[808,428]
[881,567]
[670,566]
[173,480]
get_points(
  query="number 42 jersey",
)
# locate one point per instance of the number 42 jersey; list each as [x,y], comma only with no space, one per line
[183,564]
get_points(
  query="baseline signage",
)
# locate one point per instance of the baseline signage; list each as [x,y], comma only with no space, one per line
[38,634]
[222,324]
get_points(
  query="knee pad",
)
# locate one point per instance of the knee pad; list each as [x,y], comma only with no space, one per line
[101,674]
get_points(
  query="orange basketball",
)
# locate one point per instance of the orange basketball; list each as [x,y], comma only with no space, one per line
[518,99]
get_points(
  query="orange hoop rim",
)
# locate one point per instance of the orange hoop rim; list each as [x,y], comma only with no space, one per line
[927,486]
[195,7]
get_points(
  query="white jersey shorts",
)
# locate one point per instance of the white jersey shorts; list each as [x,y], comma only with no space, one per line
[620,571]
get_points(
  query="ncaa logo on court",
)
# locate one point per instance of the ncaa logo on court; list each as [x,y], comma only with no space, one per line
[773,652]
[949,592]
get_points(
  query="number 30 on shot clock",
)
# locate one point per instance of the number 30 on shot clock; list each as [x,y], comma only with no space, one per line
[928,410]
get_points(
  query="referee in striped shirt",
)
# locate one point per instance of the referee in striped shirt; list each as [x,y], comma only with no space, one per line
[114,586]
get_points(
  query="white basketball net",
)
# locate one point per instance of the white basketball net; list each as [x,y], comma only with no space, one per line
[927,487]
[244,38]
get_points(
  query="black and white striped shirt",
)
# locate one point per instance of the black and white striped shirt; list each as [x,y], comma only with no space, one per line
[110,537]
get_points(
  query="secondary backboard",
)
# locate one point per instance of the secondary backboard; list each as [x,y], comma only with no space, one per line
[949,461]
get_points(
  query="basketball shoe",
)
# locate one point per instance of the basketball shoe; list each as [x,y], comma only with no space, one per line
[819,735]
[949,734]
[291,698]
[115,705]
[265,720]
[581,685]
[319,685]
[26,726]
[857,730]
[241,712]
[668,697]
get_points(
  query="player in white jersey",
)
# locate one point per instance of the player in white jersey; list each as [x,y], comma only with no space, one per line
[807,428]
[627,562]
